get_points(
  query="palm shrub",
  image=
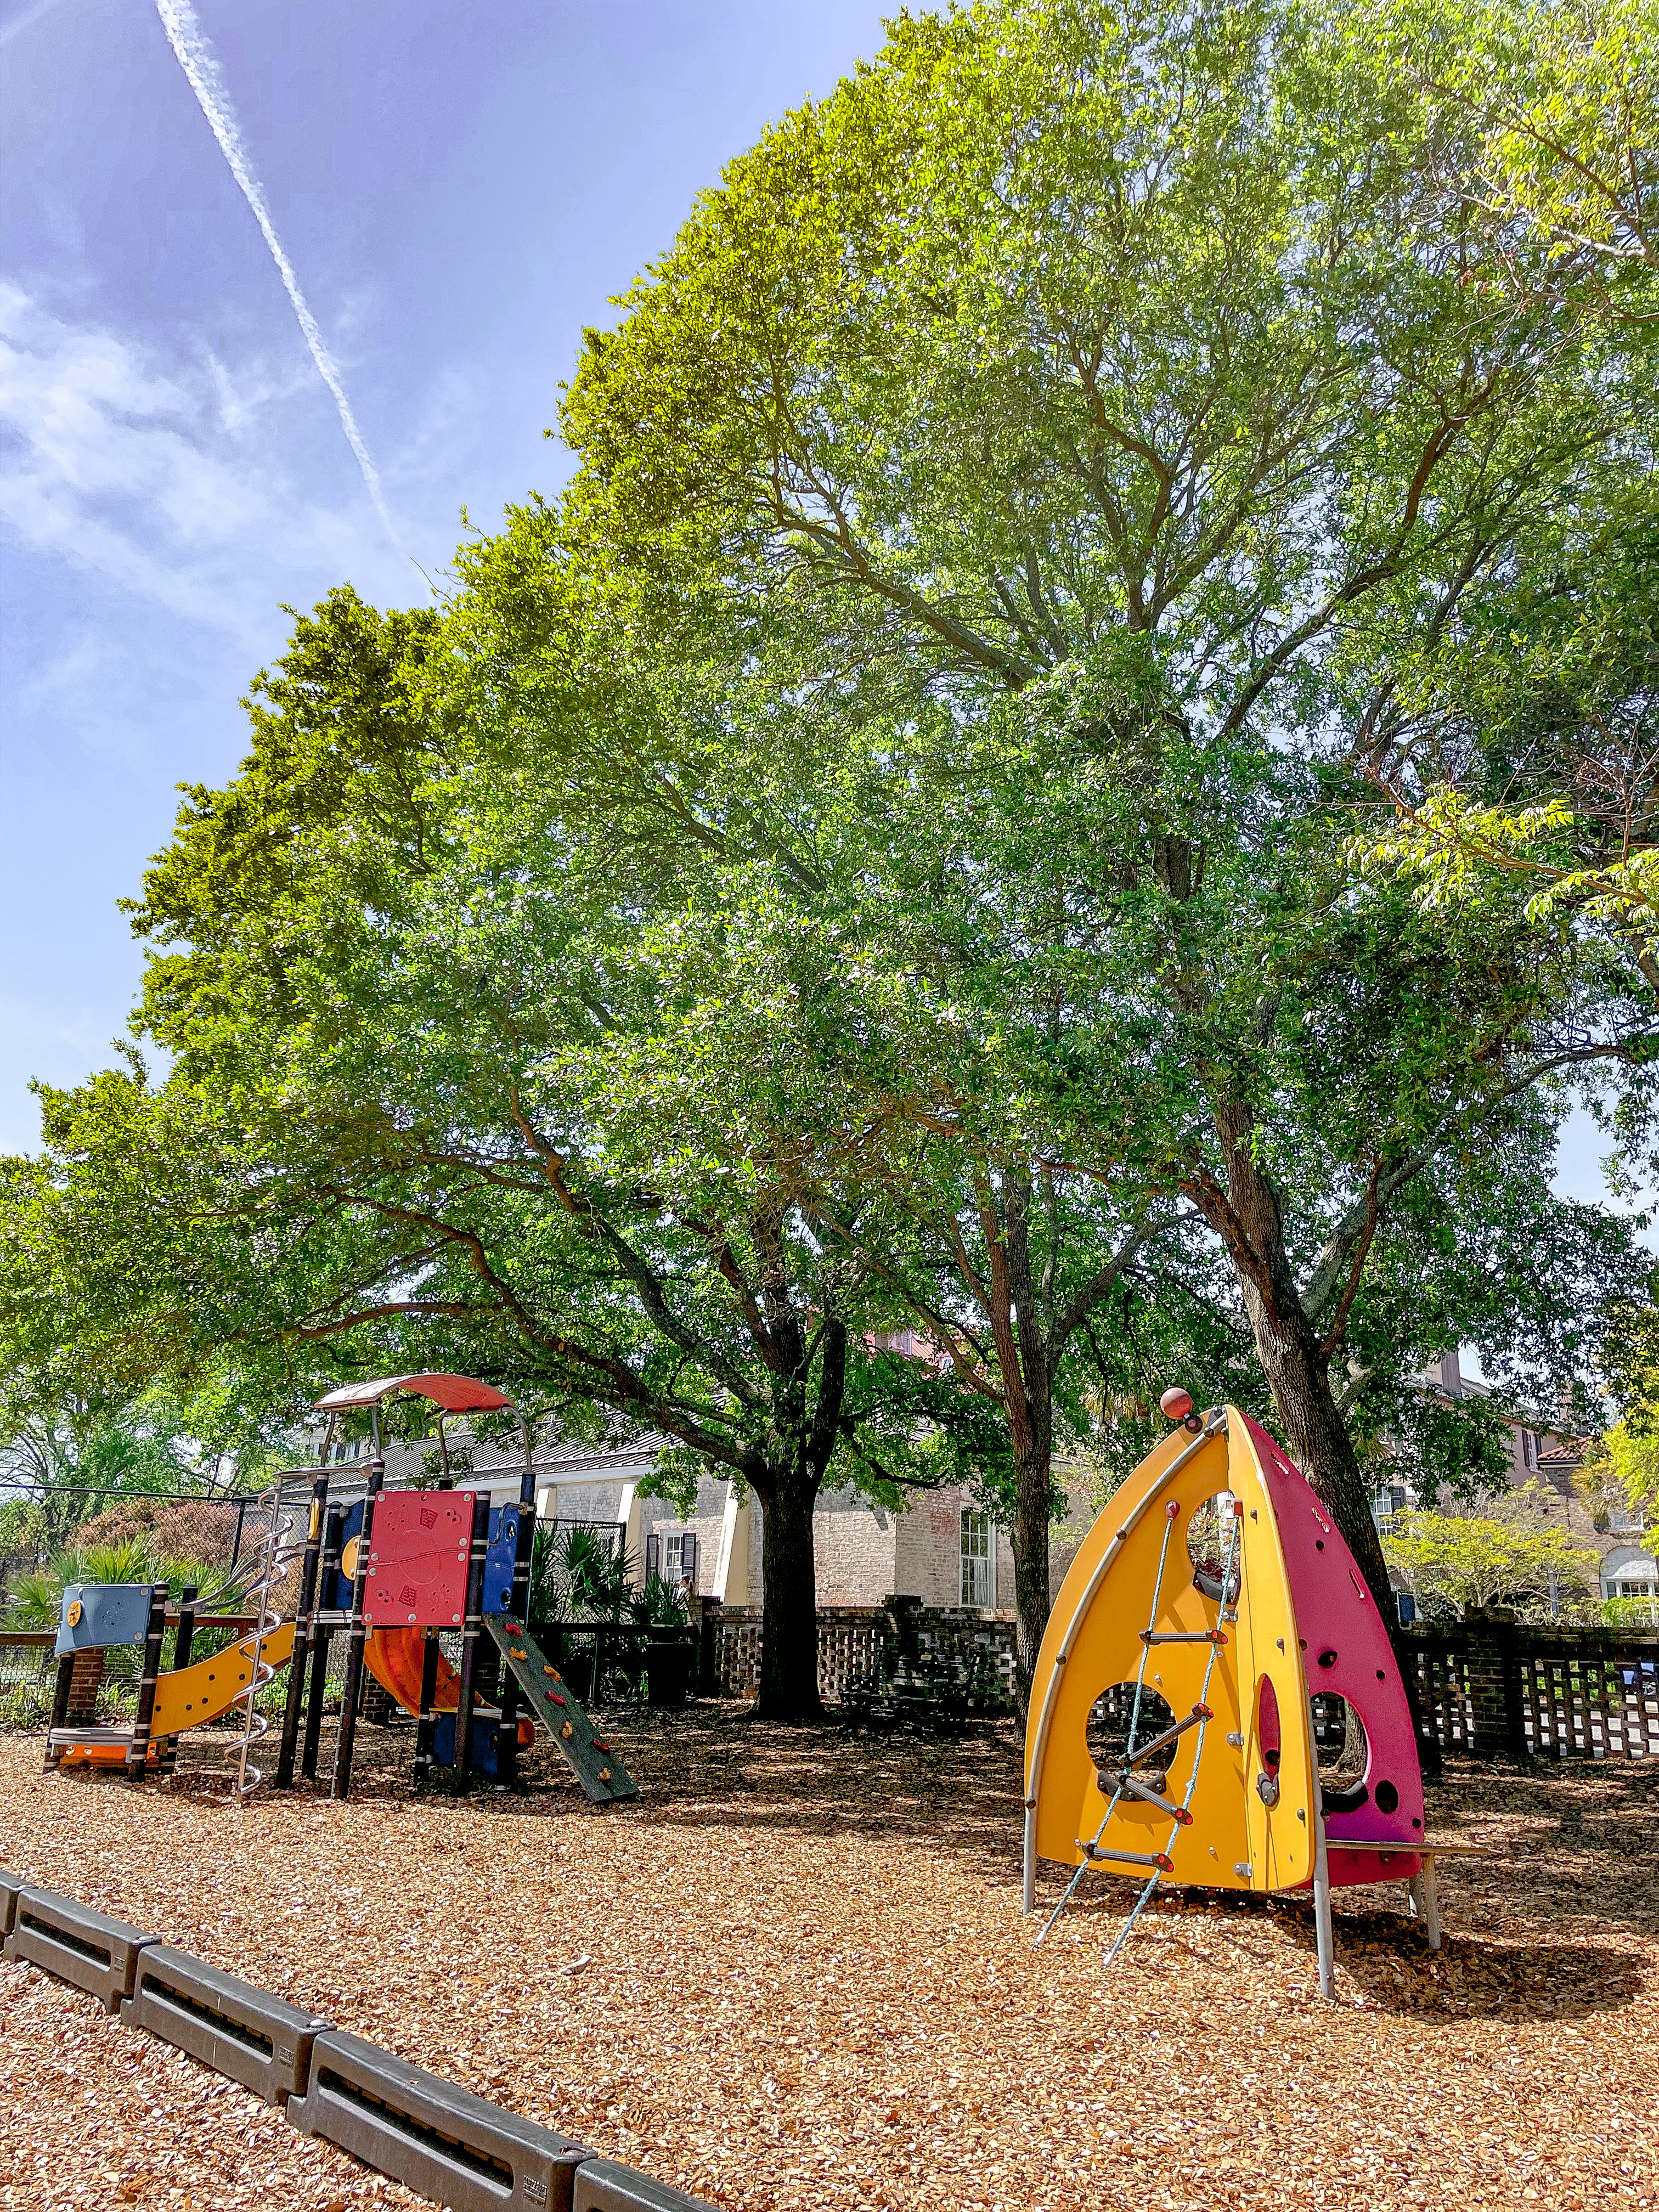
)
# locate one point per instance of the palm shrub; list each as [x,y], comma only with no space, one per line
[36,1598]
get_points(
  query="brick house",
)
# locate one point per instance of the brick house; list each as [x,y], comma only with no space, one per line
[937,1547]
[1548,1458]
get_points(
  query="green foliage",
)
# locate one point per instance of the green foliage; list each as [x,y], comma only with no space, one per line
[658,1604]
[1512,1552]
[35,1597]
[25,1706]
[576,1574]
[1619,1473]
[876,862]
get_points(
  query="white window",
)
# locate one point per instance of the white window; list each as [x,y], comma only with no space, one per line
[978,1560]
[681,1553]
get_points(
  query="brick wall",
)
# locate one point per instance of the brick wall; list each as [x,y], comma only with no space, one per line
[86,1678]
[854,1549]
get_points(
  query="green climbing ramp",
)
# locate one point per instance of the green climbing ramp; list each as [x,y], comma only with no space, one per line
[544,1694]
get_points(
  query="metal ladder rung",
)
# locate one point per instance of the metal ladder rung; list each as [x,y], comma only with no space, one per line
[1161,1860]
[1178,1813]
[1162,1742]
[1183,1636]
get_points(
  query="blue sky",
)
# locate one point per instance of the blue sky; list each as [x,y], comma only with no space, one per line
[460,190]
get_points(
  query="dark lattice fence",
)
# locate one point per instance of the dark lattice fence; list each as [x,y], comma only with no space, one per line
[1495,1689]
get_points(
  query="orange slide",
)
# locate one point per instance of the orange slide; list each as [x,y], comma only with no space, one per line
[394,1657]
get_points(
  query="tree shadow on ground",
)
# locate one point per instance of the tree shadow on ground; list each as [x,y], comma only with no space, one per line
[1382,1958]
[1567,1849]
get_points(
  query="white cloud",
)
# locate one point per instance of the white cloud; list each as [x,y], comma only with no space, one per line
[168,477]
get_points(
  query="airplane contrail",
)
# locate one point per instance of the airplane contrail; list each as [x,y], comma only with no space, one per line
[207,81]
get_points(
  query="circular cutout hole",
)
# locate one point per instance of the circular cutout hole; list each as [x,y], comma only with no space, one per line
[1109,1724]
[1343,1752]
[1387,1796]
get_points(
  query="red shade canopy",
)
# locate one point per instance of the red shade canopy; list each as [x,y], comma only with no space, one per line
[456,1393]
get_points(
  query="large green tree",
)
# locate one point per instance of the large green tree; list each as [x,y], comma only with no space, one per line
[1110,399]
[388,982]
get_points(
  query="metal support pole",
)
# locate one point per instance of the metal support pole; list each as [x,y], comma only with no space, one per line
[426,1723]
[304,1609]
[138,1749]
[166,1756]
[1321,1885]
[471,1629]
[355,1631]
[60,1701]
[327,1575]
[507,1739]
[1426,1903]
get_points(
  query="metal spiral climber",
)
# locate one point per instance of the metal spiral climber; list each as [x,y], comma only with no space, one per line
[273,1566]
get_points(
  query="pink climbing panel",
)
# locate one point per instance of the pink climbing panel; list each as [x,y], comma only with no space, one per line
[1346,1651]
[418,1560]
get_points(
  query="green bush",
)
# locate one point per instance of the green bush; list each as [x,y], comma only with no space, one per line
[36,1598]
[24,1706]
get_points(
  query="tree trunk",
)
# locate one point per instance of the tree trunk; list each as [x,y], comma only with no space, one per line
[1251,1221]
[789,1641]
[1028,1401]
[1317,1435]
[1030,1538]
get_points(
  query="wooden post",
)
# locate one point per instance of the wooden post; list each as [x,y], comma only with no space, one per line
[471,1629]
[304,1607]
[167,1755]
[328,1574]
[138,1749]
[354,1666]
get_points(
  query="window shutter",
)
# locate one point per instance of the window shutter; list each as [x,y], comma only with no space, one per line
[653,1555]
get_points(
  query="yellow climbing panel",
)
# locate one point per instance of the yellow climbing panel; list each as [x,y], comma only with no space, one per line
[1235,1807]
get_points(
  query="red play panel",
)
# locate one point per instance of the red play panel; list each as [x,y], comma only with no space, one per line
[418,1562]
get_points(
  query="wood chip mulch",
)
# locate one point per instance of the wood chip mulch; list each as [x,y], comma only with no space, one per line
[794,1978]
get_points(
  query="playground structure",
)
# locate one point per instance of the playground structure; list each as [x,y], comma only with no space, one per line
[1211,1600]
[389,1570]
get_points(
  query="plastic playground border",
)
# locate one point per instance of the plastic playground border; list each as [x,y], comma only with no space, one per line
[441,2141]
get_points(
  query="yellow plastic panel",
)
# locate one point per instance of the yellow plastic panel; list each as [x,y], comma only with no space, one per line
[1278,1840]
[187,1698]
[1235,1840]
[1093,1641]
